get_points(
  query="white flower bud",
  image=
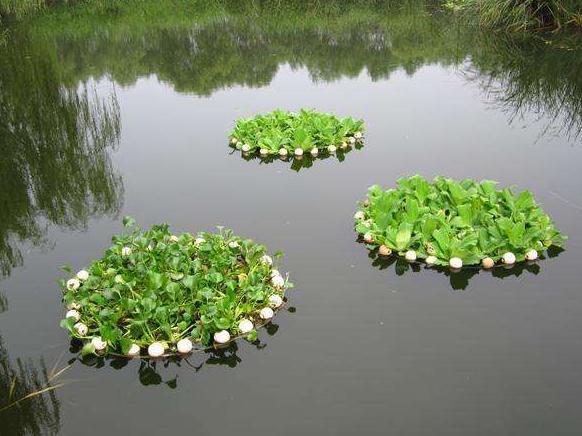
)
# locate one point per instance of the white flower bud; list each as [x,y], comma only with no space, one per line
[509,258]
[344,145]
[358,135]
[531,254]
[233,244]
[174,238]
[275,301]
[184,346]
[233,141]
[156,349]
[73,305]
[369,238]
[81,329]
[410,255]
[488,263]
[266,313]
[221,337]
[298,152]
[267,260]
[245,326]
[73,284]
[119,279]
[332,148]
[314,151]
[246,148]
[83,275]
[278,281]
[199,241]
[384,251]
[359,215]
[133,350]
[98,343]
[264,151]
[431,260]
[73,314]
[126,251]
[275,273]
[455,262]
[352,140]
[283,152]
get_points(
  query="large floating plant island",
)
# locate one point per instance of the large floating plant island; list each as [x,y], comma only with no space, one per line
[155,293]
[451,223]
[307,132]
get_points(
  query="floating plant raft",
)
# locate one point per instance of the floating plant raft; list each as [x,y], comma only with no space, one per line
[455,223]
[163,294]
[296,133]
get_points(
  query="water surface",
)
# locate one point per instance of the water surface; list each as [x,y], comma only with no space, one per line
[104,121]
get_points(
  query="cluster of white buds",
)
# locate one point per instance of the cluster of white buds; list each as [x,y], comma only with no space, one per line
[369,238]
[410,255]
[246,148]
[266,313]
[174,238]
[222,337]
[73,284]
[431,260]
[359,215]
[245,326]
[126,251]
[98,343]
[156,349]
[184,346]
[332,148]
[83,275]
[456,262]
[283,152]
[509,258]
[275,301]
[298,152]
[314,151]
[199,241]
[531,254]
[73,314]
[267,260]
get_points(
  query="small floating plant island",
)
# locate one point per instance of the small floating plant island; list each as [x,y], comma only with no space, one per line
[158,294]
[304,133]
[455,224]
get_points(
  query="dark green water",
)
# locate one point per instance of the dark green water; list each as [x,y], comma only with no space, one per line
[106,117]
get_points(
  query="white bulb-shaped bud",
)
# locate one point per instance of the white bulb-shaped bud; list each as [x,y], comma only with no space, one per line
[314,151]
[298,152]
[266,313]
[119,279]
[233,141]
[369,238]
[531,254]
[278,281]
[73,305]
[431,260]
[221,337]
[156,349]
[126,251]
[283,151]
[332,148]
[83,275]
[246,148]
[233,244]
[184,346]
[509,258]
[264,151]
[267,260]
[359,215]
[275,272]
[455,262]
[384,251]
[174,238]
[344,145]
[73,314]
[73,284]
[358,135]
[410,255]
[199,241]
[81,329]
[275,301]
[133,350]
[98,343]
[488,263]
[352,140]
[245,326]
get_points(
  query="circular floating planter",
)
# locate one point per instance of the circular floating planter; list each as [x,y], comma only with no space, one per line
[302,136]
[455,224]
[157,294]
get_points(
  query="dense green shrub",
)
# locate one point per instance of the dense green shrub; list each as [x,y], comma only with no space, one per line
[165,292]
[455,223]
[281,132]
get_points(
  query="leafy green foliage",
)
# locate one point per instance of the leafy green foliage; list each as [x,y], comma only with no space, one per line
[469,220]
[152,286]
[306,131]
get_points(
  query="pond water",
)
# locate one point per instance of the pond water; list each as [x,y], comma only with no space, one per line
[104,119]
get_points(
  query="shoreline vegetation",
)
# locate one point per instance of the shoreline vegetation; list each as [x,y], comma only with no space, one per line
[515,16]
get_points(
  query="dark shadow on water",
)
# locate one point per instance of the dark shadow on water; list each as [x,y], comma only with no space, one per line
[459,280]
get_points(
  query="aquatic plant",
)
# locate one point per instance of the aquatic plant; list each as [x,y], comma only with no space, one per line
[165,293]
[455,223]
[297,133]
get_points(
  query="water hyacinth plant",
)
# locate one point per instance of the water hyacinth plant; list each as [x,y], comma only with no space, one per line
[307,132]
[455,223]
[160,293]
